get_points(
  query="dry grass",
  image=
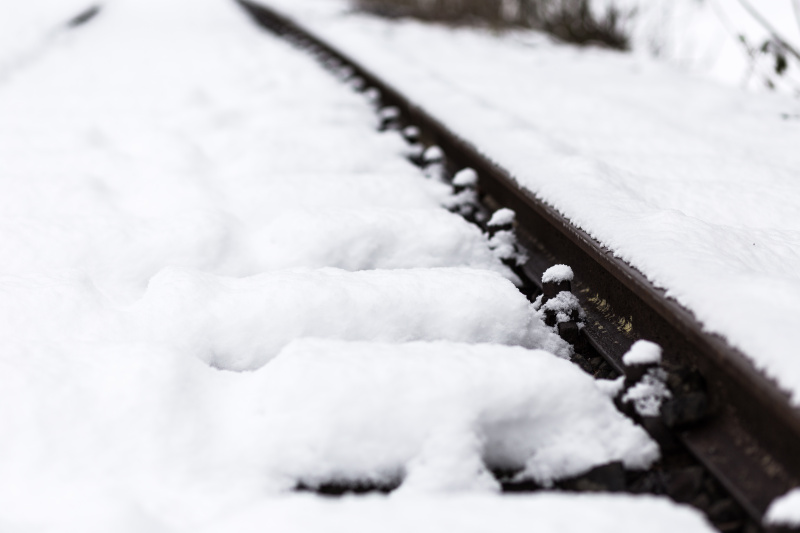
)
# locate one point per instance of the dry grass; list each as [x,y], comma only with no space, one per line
[569,20]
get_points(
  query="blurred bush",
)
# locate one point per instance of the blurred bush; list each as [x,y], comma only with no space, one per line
[573,21]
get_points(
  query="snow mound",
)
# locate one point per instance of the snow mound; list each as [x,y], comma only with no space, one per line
[240,324]
[438,415]
[361,239]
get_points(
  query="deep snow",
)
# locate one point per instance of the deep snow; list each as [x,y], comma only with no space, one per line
[176,189]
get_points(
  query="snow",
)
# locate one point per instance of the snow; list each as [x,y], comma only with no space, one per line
[176,191]
[438,415]
[242,323]
[29,30]
[370,238]
[502,217]
[504,245]
[411,133]
[691,182]
[564,305]
[557,274]
[611,387]
[432,154]
[390,112]
[785,511]
[466,177]
[651,390]
[469,513]
[642,352]
[649,393]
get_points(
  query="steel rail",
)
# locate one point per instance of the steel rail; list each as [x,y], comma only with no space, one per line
[751,443]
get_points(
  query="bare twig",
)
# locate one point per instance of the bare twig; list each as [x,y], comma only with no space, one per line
[770,28]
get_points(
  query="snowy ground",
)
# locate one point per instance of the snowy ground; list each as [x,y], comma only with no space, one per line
[219,282]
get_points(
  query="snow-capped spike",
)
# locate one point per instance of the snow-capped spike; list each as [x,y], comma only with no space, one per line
[465,179]
[389,118]
[556,279]
[432,154]
[502,219]
[411,134]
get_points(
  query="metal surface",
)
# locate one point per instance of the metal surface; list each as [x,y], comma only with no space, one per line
[752,442]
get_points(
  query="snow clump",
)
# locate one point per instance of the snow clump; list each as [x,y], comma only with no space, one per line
[437,415]
[565,306]
[642,353]
[502,217]
[432,154]
[651,390]
[557,274]
[240,324]
[785,511]
[503,241]
[464,200]
[649,393]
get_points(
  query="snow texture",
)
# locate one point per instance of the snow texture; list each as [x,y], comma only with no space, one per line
[691,182]
[557,274]
[785,511]
[642,352]
[242,323]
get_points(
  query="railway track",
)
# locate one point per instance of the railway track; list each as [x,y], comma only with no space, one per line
[730,436]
